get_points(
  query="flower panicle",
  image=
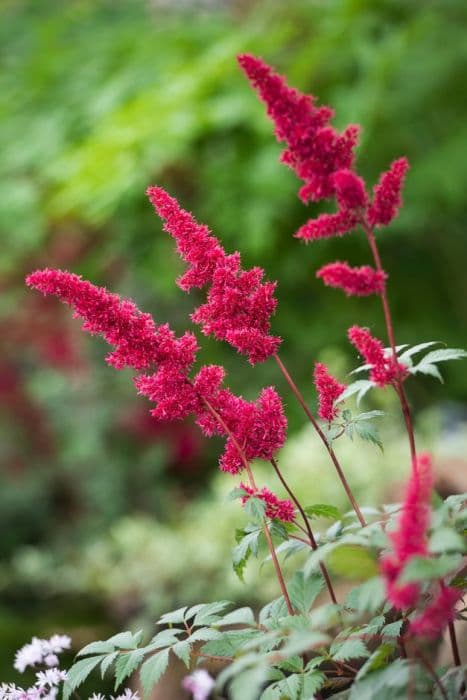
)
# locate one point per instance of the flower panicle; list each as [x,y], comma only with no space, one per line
[280,509]
[384,368]
[410,539]
[315,150]
[329,390]
[354,281]
[239,304]
[387,198]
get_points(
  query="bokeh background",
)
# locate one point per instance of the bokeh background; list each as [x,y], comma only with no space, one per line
[106,518]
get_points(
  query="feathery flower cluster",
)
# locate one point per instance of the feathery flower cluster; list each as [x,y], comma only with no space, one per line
[275,507]
[315,151]
[41,651]
[387,198]
[199,683]
[258,427]
[354,281]
[239,305]
[38,652]
[329,390]
[138,342]
[440,612]
[410,538]
[384,369]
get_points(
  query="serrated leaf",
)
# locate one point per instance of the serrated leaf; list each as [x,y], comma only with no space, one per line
[368,597]
[304,590]
[78,673]
[444,539]
[164,638]
[126,664]
[378,659]
[247,685]
[289,687]
[312,682]
[255,508]
[293,664]
[240,553]
[183,651]
[153,669]
[393,629]
[107,662]
[323,510]
[423,569]
[369,415]
[407,354]
[444,355]
[123,640]
[360,387]
[241,616]
[273,611]
[208,614]
[174,617]
[96,648]
[349,649]
[369,432]
[237,492]
[431,370]
[229,643]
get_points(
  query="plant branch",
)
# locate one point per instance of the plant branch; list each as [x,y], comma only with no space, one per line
[313,543]
[322,436]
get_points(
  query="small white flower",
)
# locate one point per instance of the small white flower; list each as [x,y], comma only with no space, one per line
[126,695]
[97,696]
[51,677]
[58,643]
[199,683]
[51,660]
[29,655]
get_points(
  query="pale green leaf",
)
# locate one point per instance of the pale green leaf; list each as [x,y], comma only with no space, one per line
[78,673]
[152,670]
[304,590]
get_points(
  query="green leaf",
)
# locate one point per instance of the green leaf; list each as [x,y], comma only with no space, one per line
[107,662]
[236,493]
[304,590]
[208,615]
[431,370]
[312,682]
[351,648]
[407,354]
[368,597]
[96,648]
[323,510]
[393,629]
[205,634]
[183,651]
[152,670]
[368,432]
[369,415]
[379,658]
[247,685]
[443,355]
[123,640]
[273,612]
[126,664]
[293,664]
[353,562]
[229,643]
[444,539]
[423,569]
[174,617]
[79,672]
[289,687]
[165,638]
[361,387]
[247,545]
[255,508]
[241,616]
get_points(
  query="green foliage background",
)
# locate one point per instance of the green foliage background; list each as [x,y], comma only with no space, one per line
[97,100]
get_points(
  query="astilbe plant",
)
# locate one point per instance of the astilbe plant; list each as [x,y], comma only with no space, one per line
[376,641]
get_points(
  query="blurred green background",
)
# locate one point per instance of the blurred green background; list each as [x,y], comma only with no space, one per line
[106,517]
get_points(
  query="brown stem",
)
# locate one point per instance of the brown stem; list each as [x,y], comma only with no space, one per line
[427,664]
[267,534]
[313,544]
[455,648]
[322,436]
[399,386]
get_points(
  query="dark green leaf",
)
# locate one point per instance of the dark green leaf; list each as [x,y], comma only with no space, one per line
[152,670]
[78,673]
[126,664]
[369,432]
[303,590]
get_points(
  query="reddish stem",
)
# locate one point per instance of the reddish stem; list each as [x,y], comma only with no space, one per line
[328,447]
[267,534]
[399,386]
[313,543]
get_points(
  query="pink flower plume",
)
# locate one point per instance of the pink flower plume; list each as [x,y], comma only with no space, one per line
[387,198]
[354,281]
[275,507]
[329,390]
[410,539]
[437,615]
[384,369]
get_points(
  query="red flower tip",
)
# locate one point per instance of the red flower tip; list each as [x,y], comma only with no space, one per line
[350,189]
[315,151]
[327,225]
[387,198]
[354,281]
[275,507]
[329,390]
[384,369]
[410,539]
